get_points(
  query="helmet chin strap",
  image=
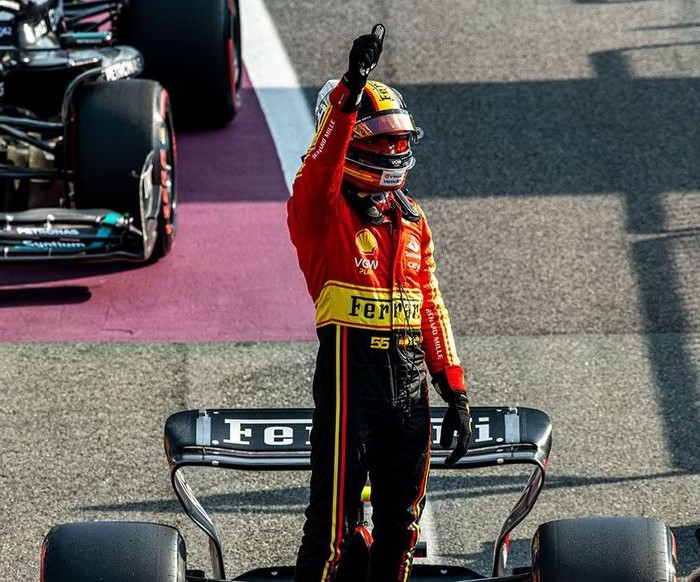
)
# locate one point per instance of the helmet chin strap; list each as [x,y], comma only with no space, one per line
[406,208]
[362,203]
[365,204]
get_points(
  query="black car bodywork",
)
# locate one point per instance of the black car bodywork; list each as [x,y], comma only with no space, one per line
[279,440]
[49,51]
[579,549]
[87,171]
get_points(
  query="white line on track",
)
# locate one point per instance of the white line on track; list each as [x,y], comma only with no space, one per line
[428,533]
[276,86]
[290,123]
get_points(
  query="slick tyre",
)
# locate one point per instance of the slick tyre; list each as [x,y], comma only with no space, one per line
[113,552]
[124,157]
[604,549]
[193,48]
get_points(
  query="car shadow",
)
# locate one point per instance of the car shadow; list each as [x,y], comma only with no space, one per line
[36,296]
[455,485]
[292,500]
[16,274]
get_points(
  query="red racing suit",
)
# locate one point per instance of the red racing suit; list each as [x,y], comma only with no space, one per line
[380,320]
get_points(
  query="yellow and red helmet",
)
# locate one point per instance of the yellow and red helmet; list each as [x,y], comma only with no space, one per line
[379,155]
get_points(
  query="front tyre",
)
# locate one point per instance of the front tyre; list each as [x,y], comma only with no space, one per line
[124,157]
[113,552]
[604,549]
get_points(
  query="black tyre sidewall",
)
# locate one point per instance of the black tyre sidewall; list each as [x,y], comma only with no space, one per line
[113,552]
[604,549]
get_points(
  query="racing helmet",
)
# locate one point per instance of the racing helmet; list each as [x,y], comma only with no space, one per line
[379,155]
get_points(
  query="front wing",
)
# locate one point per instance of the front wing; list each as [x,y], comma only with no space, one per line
[51,234]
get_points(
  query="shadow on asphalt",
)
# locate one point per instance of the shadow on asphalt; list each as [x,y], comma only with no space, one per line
[617,135]
[613,1]
[293,500]
[30,274]
[35,296]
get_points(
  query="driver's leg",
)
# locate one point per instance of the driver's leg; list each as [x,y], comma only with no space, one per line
[398,472]
[338,475]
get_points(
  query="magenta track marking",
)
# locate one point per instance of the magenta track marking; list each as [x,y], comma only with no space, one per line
[232,276]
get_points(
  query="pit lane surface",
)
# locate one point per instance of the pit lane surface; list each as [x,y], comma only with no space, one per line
[560,174]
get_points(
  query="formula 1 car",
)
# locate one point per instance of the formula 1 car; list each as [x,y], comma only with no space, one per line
[87,151]
[600,549]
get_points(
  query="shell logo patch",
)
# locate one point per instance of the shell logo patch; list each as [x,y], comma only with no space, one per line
[366,243]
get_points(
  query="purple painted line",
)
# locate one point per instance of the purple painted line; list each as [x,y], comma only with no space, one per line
[233,275]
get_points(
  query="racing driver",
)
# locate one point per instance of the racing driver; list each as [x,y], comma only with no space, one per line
[366,252]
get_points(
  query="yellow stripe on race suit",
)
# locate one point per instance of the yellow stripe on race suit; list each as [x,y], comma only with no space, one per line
[368,307]
[336,461]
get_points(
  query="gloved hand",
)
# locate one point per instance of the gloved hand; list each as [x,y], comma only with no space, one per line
[450,385]
[364,56]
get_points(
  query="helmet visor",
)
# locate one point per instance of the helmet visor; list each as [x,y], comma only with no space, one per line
[390,145]
[385,122]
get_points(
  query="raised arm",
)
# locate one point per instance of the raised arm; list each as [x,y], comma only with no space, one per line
[317,184]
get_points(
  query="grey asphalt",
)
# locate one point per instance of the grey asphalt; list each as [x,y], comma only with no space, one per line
[560,174]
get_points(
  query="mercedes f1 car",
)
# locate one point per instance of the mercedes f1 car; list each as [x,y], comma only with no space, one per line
[598,549]
[87,151]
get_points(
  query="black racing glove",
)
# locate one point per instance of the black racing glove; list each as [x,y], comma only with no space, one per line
[364,56]
[457,418]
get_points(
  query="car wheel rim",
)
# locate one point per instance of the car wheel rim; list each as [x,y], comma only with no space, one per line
[166,179]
